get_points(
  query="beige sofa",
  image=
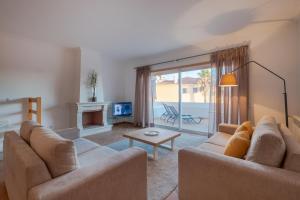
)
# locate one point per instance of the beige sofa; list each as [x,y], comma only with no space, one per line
[206,173]
[103,173]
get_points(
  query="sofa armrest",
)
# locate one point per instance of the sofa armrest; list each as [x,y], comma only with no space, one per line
[210,176]
[124,176]
[228,128]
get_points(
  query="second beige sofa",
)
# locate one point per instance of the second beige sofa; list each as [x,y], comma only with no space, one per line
[206,173]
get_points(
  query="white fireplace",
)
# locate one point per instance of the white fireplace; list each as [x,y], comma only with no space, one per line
[91,118]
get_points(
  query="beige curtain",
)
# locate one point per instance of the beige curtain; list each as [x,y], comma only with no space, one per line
[143,116]
[231,103]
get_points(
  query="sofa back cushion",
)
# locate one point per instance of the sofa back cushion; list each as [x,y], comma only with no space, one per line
[267,145]
[58,153]
[26,129]
[23,168]
[292,158]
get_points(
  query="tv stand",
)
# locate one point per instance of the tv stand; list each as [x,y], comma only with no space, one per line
[122,119]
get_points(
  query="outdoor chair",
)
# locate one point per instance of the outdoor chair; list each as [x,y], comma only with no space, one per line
[167,114]
[185,118]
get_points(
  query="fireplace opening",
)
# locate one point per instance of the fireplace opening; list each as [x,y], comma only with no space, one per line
[92,118]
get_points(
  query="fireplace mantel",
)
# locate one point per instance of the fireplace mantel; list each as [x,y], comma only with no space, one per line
[90,110]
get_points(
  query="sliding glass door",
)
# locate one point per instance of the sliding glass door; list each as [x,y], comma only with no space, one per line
[181,99]
[166,99]
[195,99]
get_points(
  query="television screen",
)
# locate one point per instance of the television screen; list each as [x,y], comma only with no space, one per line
[122,109]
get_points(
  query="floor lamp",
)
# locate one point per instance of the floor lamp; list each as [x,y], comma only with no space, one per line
[229,80]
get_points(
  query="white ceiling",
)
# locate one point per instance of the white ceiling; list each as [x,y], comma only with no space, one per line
[133,28]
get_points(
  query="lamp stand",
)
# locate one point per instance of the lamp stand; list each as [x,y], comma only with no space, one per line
[284,87]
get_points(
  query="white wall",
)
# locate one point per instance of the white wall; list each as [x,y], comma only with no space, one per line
[276,45]
[110,73]
[113,75]
[90,60]
[30,68]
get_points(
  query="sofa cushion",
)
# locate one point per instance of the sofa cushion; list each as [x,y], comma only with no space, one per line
[23,168]
[26,129]
[96,155]
[58,153]
[267,146]
[219,138]
[83,145]
[245,126]
[238,145]
[211,147]
[292,158]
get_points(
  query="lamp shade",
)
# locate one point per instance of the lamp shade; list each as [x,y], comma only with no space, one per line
[228,80]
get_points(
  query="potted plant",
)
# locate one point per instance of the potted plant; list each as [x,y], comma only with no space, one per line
[92,83]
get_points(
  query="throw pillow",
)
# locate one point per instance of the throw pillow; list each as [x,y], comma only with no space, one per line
[237,146]
[58,153]
[245,126]
[243,134]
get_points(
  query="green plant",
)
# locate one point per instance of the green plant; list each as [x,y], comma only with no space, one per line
[205,76]
[92,81]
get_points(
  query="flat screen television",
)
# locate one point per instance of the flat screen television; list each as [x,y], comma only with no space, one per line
[122,109]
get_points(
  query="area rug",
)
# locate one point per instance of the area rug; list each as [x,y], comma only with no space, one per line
[162,173]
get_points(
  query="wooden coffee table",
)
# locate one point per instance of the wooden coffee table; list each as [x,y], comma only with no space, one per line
[156,141]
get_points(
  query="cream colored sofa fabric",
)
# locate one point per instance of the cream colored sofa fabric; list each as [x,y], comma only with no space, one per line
[219,138]
[206,173]
[218,141]
[23,167]
[88,158]
[227,128]
[267,145]
[84,145]
[212,176]
[212,148]
[26,129]
[292,158]
[123,177]
[58,153]
[103,173]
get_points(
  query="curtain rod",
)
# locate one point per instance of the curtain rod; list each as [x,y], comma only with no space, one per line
[194,56]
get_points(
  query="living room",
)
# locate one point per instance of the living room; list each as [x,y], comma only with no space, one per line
[136,90]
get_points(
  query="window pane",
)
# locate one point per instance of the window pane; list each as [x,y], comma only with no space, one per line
[195,99]
[166,97]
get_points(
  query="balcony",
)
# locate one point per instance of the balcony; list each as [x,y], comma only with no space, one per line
[195,116]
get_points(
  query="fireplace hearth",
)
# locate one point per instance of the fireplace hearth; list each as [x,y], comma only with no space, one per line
[91,118]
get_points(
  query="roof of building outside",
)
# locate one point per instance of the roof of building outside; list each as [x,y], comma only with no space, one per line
[185,80]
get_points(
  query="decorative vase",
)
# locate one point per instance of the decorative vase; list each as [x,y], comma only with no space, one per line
[94,97]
